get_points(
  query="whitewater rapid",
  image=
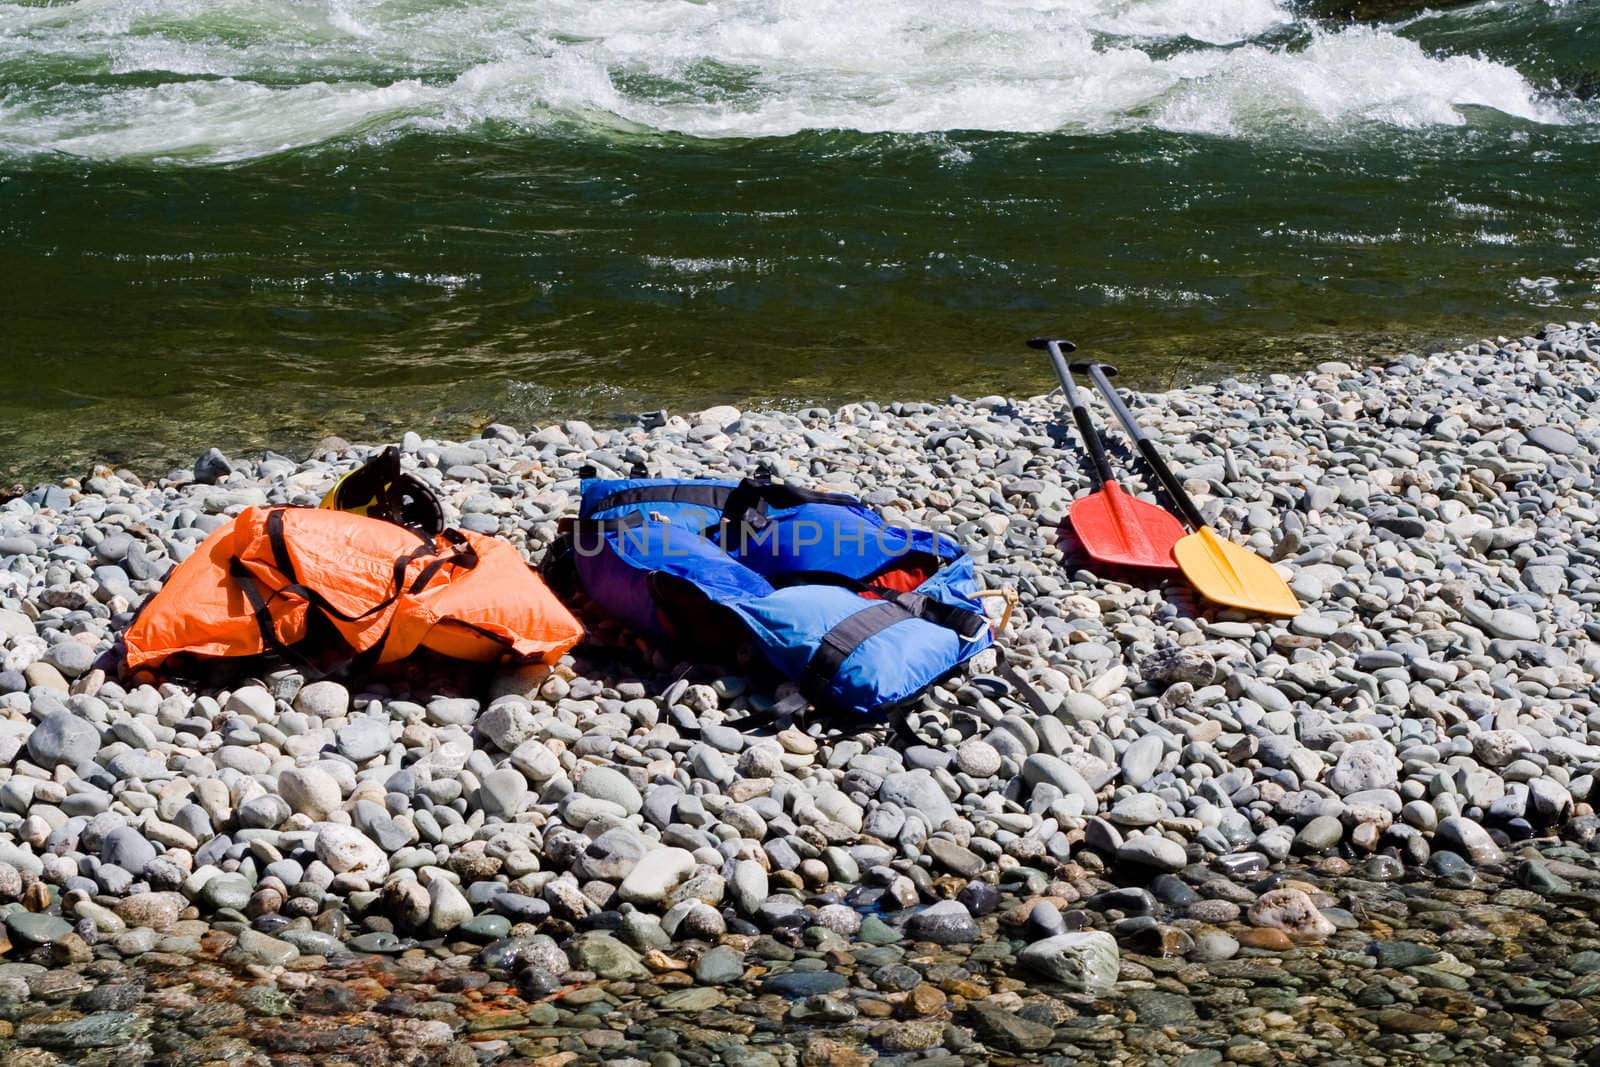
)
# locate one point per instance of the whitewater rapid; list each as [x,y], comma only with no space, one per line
[216,81]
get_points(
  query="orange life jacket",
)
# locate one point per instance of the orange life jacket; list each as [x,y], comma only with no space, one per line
[287,580]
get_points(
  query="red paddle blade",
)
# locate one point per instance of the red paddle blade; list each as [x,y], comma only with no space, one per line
[1118,529]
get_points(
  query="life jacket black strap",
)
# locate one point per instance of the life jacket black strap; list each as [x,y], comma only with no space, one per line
[757,494]
[263,616]
[839,643]
[281,559]
[464,556]
[271,642]
[714,497]
[363,662]
[968,624]
[785,579]
[280,544]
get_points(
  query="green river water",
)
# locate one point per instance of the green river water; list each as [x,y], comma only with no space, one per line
[252,225]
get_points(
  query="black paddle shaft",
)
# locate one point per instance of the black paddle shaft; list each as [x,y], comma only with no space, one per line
[1147,448]
[1100,467]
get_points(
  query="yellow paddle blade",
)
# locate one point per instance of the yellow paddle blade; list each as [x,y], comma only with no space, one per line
[1224,573]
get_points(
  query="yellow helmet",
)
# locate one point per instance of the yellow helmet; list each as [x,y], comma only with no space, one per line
[379,489]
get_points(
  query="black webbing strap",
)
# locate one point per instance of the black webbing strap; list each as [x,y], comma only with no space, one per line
[363,662]
[425,549]
[489,635]
[896,607]
[785,579]
[280,555]
[714,497]
[263,616]
[755,494]
[838,643]
[280,545]
[464,556]
[968,624]
[323,604]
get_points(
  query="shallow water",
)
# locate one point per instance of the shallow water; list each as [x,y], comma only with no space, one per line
[224,223]
[1471,969]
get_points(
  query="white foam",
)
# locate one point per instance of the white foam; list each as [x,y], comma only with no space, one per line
[1360,75]
[1224,23]
[243,79]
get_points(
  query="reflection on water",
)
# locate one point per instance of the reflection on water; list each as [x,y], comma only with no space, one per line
[528,211]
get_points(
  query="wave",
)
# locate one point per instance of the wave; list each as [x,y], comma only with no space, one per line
[217,82]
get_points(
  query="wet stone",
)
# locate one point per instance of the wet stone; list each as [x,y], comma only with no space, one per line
[1320,834]
[896,978]
[874,931]
[1007,1030]
[980,898]
[484,927]
[105,1029]
[1466,837]
[719,966]
[693,999]
[1402,954]
[111,996]
[265,949]
[30,928]
[380,941]
[314,942]
[1082,961]
[1156,1008]
[803,983]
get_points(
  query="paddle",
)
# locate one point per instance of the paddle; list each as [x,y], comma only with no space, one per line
[1114,527]
[1219,570]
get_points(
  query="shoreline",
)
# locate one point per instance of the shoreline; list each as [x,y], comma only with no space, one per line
[1210,791]
[139,438]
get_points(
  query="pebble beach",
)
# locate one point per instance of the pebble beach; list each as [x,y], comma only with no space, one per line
[1365,835]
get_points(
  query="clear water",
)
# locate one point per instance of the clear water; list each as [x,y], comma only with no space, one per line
[224,222]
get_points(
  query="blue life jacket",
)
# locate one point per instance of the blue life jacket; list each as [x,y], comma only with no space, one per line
[862,614]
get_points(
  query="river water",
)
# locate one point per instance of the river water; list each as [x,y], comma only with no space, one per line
[225,222]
